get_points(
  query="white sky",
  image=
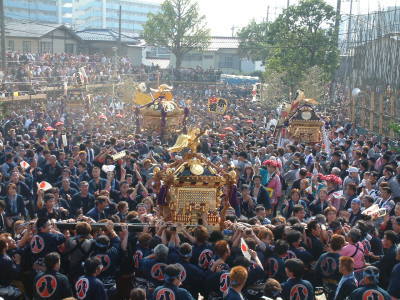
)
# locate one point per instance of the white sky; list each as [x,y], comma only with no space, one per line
[223,14]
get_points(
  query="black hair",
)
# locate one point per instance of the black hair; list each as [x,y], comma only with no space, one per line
[241,261]
[51,259]
[91,265]
[281,247]
[293,236]
[41,222]
[295,266]
[391,236]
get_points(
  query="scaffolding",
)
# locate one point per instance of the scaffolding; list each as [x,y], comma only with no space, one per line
[369,75]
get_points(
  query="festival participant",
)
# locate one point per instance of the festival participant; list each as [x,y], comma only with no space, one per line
[89,287]
[153,266]
[96,183]
[217,281]
[275,264]
[386,263]
[348,282]
[355,250]
[46,240]
[327,265]
[51,284]
[192,277]
[170,288]
[370,287]
[238,276]
[295,286]
[294,238]
[82,201]
[10,270]
[98,211]
[15,207]
[273,182]
[393,288]
[77,249]
[260,193]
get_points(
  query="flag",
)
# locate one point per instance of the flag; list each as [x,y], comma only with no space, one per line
[44,185]
[24,165]
[108,168]
[245,249]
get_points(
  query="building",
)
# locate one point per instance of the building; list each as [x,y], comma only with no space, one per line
[28,37]
[222,54]
[106,41]
[105,14]
[43,11]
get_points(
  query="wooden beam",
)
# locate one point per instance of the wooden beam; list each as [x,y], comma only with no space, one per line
[372,111]
[381,113]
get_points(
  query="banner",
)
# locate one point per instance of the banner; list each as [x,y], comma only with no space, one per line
[119,155]
[217,105]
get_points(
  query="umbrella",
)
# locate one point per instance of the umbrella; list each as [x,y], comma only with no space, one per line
[227,117]
[119,116]
[49,128]
[249,121]
[103,117]
[59,123]
[228,129]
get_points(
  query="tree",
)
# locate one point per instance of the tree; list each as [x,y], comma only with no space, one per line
[305,37]
[301,37]
[254,40]
[316,85]
[178,27]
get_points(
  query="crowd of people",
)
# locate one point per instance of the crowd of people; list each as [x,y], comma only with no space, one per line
[298,207]
[30,73]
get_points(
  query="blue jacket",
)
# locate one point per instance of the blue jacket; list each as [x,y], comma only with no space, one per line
[394,283]
[51,285]
[169,291]
[297,289]
[370,292]
[90,288]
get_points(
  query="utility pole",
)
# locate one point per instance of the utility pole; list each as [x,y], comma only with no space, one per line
[233,30]
[3,38]
[119,24]
[288,3]
[349,27]
[267,13]
[337,20]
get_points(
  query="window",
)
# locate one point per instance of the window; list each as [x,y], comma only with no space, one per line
[26,46]
[69,48]
[11,45]
[45,47]
[226,62]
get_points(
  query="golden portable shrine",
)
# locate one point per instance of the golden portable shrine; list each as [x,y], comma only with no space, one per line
[305,125]
[300,122]
[192,188]
[158,111]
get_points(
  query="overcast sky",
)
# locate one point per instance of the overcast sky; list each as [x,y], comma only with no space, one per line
[222,15]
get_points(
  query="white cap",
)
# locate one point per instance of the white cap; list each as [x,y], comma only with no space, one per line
[353,170]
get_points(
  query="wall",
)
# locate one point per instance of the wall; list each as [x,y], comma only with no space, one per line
[18,44]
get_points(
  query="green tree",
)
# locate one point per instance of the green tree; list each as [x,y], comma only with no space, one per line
[254,40]
[179,27]
[303,36]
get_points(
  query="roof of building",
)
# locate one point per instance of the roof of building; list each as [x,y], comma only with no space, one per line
[222,42]
[106,35]
[32,29]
